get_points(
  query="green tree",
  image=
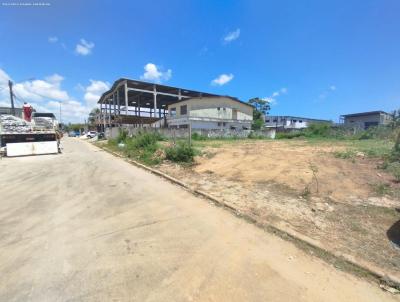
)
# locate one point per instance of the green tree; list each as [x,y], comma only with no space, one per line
[261,108]
[92,116]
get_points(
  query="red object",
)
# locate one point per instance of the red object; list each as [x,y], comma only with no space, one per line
[27,112]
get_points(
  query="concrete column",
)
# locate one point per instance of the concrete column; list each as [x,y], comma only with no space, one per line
[104,117]
[126,98]
[118,102]
[155,100]
[109,111]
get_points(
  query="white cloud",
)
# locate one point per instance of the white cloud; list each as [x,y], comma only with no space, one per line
[324,94]
[222,79]
[53,39]
[272,99]
[232,36]
[4,77]
[84,47]
[153,72]
[44,95]
[94,91]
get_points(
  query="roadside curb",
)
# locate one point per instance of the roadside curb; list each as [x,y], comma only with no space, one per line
[384,278]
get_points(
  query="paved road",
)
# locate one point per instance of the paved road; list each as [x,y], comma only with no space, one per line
[85,226]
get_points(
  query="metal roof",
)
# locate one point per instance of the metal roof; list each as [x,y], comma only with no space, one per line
[219,96]
[140,92]
[365,113]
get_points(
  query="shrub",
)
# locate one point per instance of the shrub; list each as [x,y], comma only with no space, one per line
[144,140]
[198,137]
[318,129]
[254,135]
[180,152]
[122,135]
[288,135]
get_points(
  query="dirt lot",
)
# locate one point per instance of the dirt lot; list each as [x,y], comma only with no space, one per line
[304,186]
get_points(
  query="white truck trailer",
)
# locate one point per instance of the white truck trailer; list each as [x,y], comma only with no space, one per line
[20,138]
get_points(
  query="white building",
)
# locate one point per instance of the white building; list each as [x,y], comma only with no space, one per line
[290,122]
[210,113]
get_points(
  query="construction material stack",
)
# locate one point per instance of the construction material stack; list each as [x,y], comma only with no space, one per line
[19,137]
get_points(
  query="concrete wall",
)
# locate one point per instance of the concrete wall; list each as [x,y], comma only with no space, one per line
[184,133]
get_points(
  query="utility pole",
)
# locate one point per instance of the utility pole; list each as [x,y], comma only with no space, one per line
[10,85]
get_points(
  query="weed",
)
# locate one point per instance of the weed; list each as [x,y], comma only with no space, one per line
[198,137]
[306,194]
[289,135]
[181,152]
[344,154]
[381,189]
[122,136]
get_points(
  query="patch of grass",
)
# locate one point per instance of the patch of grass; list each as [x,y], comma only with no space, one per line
[180,152]
[347,154]
[381,189]
[289,135]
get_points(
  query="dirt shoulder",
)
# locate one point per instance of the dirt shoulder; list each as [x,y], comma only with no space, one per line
[305,187]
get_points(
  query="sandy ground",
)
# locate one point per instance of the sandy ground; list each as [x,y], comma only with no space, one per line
[268,178]
[86,226]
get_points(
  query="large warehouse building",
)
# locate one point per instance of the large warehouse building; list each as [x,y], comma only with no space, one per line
[139,103]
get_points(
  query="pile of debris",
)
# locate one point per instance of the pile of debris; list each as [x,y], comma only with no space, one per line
[44,123]
[12,124]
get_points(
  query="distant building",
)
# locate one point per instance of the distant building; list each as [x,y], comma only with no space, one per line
[214,112]
[290,122]
[364,120]
[7,110]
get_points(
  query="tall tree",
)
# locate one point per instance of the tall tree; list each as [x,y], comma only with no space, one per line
[261,108]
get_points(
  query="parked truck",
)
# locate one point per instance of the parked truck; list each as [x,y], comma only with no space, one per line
[19,137]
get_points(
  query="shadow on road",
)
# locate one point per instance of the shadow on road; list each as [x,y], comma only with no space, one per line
[393,233]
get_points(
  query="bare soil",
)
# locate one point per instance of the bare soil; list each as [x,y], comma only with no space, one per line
[304,187]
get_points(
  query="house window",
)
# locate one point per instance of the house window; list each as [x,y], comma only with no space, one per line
[275,121]
[184,110]
[294,121]
[172,112]
[300,121]
[224,109]
[267,121]
[219,124]
[218,108]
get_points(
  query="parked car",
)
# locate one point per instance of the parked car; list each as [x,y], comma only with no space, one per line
[91,134]
[73,134]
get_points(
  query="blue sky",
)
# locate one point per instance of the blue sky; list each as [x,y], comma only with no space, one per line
[310,58]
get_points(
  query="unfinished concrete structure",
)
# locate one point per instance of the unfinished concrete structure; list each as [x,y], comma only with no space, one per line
[290,122]
[212,112]
[138,103]
[364,120]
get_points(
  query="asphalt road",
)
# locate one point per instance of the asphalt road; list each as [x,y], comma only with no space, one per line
[86,226]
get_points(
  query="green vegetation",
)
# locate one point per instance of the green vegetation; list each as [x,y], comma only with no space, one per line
[180,152]
[261,108]
[146,148]
[345,154]
[198,137]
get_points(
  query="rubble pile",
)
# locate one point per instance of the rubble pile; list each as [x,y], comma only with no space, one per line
[44,123]
[12,124]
